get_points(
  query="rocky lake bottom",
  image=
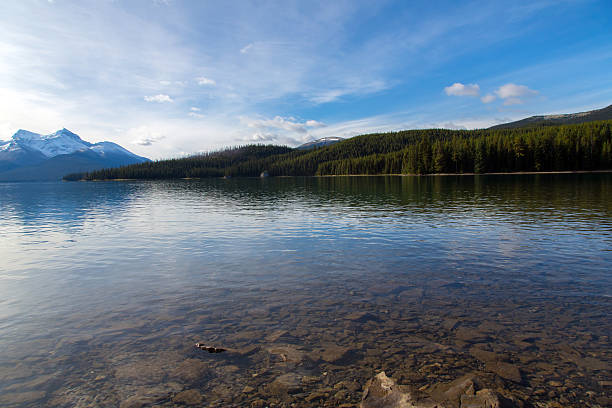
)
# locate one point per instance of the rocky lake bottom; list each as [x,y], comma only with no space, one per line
[316,312]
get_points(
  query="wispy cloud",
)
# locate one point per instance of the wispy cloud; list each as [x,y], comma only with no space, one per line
[459,89]
[145,136]
[449,125]
[194,112]
[352,88]
[160,98]
[488,98]
[314,124]
[273,137]
[265,137]
[205,81]
[145,141]
[246,48]
[284,130]
[279,122]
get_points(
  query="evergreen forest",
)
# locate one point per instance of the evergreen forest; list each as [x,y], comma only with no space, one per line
[585,146]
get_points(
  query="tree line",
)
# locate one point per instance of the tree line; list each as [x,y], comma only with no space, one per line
[586,146]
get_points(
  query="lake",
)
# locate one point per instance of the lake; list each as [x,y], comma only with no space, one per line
[313,285]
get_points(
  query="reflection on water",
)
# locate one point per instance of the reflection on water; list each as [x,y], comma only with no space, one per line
[313,284]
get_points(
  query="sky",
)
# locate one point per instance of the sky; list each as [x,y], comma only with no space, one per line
[166,78]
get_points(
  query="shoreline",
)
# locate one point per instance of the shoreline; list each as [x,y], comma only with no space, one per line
[517,173]
[508,173]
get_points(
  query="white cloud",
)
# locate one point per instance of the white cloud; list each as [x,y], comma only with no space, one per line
[459,89]
[145,141]
[161,98]
[195,115]
[289,124]
[145,136]
[514,91]
[314,123]
[165,83]
[246,48]
[282,130]
[488,98]
[273,137]
[205,81]
[510,93]
[194,109]
[450,125]
[513,94]
[264,136]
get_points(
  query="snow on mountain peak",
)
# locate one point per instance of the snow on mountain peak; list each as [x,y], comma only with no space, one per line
[61,142]
[25,135]
[30,156]
[64,133]
[110,147]
[4,145]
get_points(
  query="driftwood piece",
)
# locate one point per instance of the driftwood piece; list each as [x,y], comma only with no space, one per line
[210,349]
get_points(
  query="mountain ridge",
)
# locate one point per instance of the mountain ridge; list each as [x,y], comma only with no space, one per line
[30,156]
[560,119]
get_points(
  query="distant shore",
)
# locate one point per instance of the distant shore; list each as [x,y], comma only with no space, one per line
[471,174]
[383,175]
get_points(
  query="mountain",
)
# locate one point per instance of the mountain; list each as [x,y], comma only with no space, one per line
[562,119]
[29,156]
[325,141]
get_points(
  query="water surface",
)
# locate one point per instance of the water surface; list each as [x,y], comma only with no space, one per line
[314,284]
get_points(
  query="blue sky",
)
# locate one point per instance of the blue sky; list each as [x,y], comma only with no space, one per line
[167,78]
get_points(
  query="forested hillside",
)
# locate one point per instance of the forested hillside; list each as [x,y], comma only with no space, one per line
[562,119]
[586,146]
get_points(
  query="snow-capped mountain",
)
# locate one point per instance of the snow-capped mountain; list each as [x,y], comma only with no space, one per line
[31,156]
[61,142]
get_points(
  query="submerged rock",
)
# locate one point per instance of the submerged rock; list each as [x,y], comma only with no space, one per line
[188,397]
[190,370]
[361,317]
[287,353]
[289,383]
[334,354]
[21,398]
[483,399]
[383,392]
[506,371]
[451,393]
